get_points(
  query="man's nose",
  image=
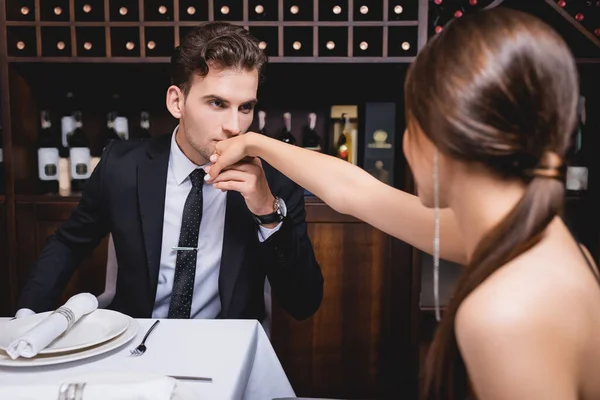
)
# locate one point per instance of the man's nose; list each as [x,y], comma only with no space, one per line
[232,124]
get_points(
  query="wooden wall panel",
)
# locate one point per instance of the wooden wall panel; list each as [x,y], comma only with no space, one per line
[339,351]
[35,223]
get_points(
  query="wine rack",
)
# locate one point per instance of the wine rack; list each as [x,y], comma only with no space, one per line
[124,11]
[91,42]
[89,10]
[148,31]
[56,41]
[56,10]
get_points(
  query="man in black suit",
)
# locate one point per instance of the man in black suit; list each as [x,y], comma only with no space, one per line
[186,249]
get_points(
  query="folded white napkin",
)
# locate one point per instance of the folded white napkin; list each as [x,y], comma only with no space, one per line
[24,312]
[40,336]
[160,388]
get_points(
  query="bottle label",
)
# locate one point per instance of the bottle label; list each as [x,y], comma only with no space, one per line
[80,163]
[48,164]
[577,178]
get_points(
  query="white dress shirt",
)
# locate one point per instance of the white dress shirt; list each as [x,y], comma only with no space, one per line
[205,302]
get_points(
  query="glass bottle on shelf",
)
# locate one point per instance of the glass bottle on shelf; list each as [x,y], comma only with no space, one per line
[143,132]
[79,152]
[344,142]
[577,164]
[286,133]
[48,155]
[122,128]
[120,124]
[310,137]
[67,126]
[111,134]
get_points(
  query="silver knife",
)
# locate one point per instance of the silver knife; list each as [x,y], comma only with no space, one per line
[190,378]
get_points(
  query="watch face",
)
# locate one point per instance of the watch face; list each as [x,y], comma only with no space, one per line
[282,206]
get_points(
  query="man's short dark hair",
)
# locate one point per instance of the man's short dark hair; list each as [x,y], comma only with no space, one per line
[219,45]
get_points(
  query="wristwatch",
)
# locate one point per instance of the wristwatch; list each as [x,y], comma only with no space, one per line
[278,214]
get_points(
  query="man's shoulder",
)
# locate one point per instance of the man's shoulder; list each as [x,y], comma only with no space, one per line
[136,149]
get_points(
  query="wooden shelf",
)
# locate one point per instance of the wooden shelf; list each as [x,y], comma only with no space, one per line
[166,60]
[72,36]
[192,24]
[47,198]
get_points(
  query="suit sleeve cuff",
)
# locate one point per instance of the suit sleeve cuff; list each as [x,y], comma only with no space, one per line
[265,233]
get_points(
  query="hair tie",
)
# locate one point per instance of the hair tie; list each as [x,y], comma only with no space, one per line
[550,166]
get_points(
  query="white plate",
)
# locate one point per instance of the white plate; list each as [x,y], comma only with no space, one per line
[90,330]
[52,359]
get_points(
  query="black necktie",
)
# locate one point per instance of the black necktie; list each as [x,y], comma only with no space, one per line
[185,267]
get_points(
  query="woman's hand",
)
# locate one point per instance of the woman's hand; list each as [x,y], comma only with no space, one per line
[227,153]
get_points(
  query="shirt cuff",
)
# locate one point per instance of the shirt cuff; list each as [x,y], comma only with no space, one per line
[265,233]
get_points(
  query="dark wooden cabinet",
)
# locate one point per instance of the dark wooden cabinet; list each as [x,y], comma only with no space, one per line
[340,351]
[36,221]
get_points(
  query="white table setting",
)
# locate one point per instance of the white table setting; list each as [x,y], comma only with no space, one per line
[82,352]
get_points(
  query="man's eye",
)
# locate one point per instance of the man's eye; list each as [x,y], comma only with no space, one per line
[216,103]
[247,107]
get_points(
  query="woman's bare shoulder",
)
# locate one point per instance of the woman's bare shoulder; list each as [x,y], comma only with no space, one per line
[517,315]
[535,288]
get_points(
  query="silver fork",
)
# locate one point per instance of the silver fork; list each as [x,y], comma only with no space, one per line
[141,349]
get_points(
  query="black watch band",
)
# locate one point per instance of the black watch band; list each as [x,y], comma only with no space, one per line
[278,214]
[268,219]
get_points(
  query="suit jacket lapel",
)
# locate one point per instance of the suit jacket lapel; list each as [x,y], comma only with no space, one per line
[152,183]
[238,224]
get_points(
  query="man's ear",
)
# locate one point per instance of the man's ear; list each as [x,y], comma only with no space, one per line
[175,100]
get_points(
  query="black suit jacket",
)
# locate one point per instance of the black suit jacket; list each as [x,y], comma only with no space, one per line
[126,196]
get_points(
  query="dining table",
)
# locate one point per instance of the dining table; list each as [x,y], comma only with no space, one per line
[212,359]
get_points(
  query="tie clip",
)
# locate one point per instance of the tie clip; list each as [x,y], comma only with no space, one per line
[185,248]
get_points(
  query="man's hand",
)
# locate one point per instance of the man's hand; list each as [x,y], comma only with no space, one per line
[248,178]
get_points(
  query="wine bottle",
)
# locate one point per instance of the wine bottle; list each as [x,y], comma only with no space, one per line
[67,126]
[577,163]
[286,133]
[48,155]
[344,145]
[121,123]
[144,128]
[122,128]
[310,138]
[110,132]
[80,155]
[262,122]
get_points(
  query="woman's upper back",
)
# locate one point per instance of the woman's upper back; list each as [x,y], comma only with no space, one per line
[531,329]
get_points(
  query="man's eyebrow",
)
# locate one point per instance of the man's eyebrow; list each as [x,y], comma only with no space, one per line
[222,100]
[214,97]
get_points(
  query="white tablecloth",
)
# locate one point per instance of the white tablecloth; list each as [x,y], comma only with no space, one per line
[236,354]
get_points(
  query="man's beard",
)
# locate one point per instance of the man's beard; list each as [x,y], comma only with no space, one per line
[202,151]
